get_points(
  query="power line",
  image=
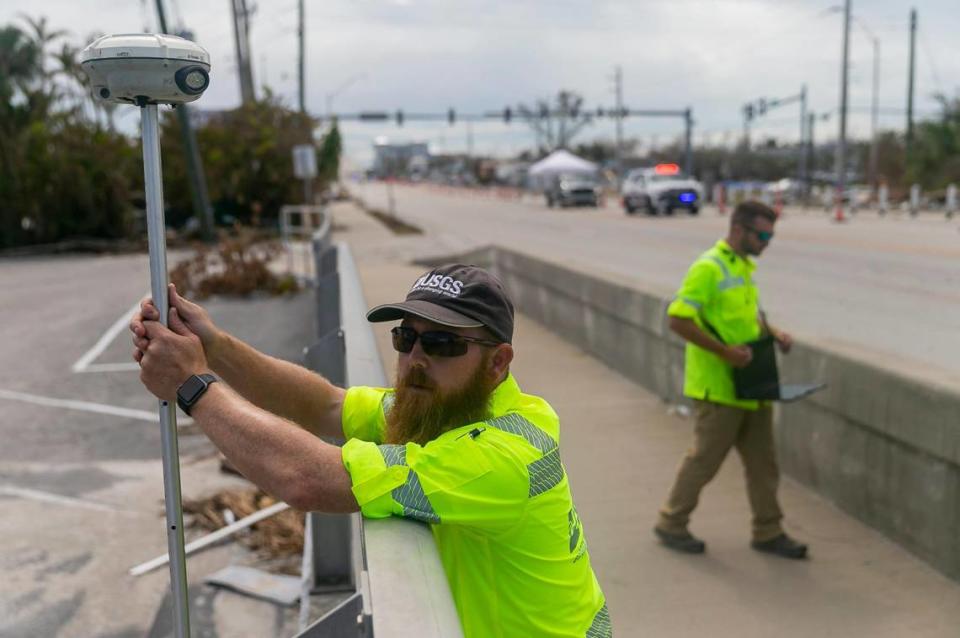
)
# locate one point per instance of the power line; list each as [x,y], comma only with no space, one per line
[932,64]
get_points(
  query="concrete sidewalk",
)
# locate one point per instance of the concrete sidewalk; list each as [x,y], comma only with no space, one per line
[621,446]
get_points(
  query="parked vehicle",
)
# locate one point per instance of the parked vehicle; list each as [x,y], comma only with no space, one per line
[573,190]
[660,190]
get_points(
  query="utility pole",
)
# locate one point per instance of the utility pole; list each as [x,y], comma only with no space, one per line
[618,88]
[811,155]
[747,117]
[802,147]
[910,81]
[469,139]
[241,38]
[198,182]
[688,153]
[874,112]
[303,103]
[842,141]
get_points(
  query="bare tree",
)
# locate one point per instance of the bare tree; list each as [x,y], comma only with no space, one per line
[555,125]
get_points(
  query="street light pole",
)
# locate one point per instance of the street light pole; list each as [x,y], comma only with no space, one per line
[841,159]
[874,108]
[618,89]
[910,80]
[341,89]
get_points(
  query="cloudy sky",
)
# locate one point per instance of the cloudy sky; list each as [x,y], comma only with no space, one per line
[475,56]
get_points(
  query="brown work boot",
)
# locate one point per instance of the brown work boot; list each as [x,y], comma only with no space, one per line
[685,542]
[783,546]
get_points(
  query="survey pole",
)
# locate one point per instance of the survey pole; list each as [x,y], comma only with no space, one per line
[156,234]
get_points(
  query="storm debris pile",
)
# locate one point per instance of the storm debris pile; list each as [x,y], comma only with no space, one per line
[275,537]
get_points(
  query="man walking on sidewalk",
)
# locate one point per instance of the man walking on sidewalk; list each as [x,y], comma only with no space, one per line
[717,305]
[454,444]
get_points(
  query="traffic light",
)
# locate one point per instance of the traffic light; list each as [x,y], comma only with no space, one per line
[762,106]
[748,112]
[507,115]
[451,117]
[599,111]
[400,117]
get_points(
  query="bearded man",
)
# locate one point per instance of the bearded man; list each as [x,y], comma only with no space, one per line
[455,444]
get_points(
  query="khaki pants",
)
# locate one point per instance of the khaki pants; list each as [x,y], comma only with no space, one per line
[718,428]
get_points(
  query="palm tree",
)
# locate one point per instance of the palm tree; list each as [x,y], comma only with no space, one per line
[20,61]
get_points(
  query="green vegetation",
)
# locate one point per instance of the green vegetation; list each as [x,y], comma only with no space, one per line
[66,172]
[247,155]
[934,160]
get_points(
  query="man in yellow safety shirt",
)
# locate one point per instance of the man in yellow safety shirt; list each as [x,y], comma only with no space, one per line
[455,444]
[716,311]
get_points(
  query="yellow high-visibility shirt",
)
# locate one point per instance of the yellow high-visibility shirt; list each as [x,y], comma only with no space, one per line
[718,290]
[498,501]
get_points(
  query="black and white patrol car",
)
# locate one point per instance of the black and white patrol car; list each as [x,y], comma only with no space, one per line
[660,191]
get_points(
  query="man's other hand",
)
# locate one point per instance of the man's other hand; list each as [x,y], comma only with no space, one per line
[784,341]
[170,356]
[193,316]
[738,356]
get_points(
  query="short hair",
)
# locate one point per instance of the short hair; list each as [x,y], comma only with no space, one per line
[747,212]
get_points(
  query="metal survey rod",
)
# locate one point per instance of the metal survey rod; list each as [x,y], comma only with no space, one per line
[156,233]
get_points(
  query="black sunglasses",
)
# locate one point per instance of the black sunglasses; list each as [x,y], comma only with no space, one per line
[762,235]
[435,343]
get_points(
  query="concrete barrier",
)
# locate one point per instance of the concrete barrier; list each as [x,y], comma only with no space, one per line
[883,447]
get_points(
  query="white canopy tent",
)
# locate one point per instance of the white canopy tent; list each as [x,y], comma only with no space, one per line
[559,162]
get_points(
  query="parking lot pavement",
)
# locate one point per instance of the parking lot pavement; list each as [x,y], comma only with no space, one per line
[80,471]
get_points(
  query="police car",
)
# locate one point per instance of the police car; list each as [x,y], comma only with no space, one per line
[660,190]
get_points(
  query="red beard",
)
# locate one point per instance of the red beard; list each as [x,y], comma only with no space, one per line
[420,413]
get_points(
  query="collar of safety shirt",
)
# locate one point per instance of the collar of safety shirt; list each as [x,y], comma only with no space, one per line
[725,248]
[504,396]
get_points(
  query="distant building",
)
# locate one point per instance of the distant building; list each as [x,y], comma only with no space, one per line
[399,159]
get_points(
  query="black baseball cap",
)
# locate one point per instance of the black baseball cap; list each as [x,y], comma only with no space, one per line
[455,295]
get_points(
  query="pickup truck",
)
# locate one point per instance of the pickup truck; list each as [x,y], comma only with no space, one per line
[573,190]
[660,190]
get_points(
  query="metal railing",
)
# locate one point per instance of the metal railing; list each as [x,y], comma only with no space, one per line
[303,222]
[391,568]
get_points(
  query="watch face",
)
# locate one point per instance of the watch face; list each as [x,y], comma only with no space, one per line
[191,389]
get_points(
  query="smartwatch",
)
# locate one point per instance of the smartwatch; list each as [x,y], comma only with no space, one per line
[192,389]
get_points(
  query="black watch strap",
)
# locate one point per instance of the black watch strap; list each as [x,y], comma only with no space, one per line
[191,390]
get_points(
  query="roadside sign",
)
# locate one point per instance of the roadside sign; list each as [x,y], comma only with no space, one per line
[304,161]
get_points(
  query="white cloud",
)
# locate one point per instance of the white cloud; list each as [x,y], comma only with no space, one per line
[478,55]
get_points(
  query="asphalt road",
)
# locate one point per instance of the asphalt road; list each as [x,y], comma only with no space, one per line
[80,471]
[882,289]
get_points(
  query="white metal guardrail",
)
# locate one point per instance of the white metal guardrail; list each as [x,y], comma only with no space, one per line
[302,222]
[391,566]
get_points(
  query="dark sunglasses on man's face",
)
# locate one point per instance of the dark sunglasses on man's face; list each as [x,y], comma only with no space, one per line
[762,235]
[435,343]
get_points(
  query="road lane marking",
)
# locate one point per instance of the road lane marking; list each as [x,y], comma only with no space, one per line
[111,367]
[57,499]
[83,363]
[87,406]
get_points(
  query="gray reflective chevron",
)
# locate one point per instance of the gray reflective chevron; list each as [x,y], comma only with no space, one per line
[516,424]
[410,495]
[545,473]
[728,281]
[601,627]
[387,401]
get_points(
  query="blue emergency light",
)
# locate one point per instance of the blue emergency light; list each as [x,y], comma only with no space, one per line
[688,198]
